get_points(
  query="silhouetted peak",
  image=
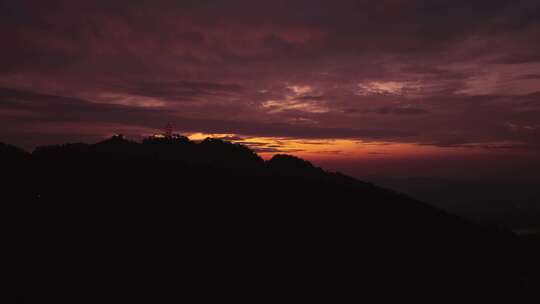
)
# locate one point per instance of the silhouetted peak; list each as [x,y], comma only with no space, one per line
[289,164]
[289,161]
[227,154]
[116,141]
[222,145]
[215,141]
[9,152]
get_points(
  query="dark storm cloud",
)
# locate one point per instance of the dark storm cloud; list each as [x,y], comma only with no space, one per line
[306,69]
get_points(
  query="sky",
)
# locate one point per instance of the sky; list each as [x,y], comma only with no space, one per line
[444,88]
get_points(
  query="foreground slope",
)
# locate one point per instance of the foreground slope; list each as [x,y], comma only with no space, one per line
[119,220]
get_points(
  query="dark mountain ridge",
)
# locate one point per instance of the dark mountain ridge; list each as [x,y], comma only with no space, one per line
[220,219]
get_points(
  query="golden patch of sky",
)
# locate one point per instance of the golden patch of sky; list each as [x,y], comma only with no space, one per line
[320,149]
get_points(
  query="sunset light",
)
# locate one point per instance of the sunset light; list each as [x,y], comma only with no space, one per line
[252,151]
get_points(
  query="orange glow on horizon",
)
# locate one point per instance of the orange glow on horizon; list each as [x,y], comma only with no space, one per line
[327,149]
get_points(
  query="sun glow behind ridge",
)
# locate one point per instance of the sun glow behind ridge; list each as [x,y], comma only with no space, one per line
[321,149]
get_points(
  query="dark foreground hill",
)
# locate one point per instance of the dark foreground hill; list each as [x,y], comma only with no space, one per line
[170,220]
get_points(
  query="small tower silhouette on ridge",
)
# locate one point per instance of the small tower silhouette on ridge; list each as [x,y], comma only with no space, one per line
[168,130]
[167,134]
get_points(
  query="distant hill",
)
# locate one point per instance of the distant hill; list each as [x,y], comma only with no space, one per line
[515,205]
[216,220]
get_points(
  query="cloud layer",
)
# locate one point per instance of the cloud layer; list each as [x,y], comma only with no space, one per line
[441,73]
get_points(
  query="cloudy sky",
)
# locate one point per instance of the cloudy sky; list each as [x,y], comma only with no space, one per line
[391,87]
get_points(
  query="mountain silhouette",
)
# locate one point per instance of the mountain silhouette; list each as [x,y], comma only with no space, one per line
[121,220]
[9,153]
